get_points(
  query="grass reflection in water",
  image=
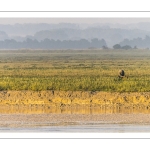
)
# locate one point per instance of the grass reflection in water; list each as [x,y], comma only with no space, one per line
[5,109]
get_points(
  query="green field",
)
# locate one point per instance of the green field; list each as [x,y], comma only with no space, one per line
[75,70]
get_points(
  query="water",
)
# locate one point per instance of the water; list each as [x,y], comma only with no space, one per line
[15,119]
[87,128]
[6,109]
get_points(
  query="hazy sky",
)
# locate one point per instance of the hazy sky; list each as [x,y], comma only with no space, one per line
[73,20]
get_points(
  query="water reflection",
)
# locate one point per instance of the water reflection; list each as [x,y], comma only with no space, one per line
[5,109]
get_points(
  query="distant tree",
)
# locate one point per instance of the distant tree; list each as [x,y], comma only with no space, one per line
[135,47]
[104,47]
[95,43]
[126,47]
[117,46]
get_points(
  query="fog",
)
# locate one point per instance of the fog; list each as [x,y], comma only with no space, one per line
[18,32]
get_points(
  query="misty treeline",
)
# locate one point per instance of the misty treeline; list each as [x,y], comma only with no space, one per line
[137,42]
[73,44]
[74,36]
[52,44]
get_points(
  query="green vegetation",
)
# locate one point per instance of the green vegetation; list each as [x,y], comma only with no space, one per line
[75,70]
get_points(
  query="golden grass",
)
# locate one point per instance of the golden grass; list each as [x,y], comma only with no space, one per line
[75,70]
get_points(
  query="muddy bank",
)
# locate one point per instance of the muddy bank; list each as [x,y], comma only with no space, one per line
[75,98]
[74,123]
[54,119]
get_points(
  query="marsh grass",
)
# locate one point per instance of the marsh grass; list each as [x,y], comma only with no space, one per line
[75,70]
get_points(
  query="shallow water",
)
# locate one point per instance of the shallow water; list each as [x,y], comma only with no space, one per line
[96,127]
[6,109]
[90,128]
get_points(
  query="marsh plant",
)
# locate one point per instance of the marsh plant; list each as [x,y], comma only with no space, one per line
[75,70]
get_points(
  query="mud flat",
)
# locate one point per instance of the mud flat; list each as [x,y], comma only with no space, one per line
[33,120]
[75,98]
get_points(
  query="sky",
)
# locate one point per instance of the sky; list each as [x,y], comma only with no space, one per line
[73,20]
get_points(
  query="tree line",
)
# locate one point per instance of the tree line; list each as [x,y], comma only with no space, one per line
[52,44]
[137,42]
